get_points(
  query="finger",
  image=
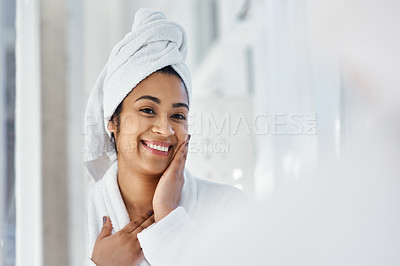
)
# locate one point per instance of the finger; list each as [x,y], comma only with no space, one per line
[186,151]
[182,146]
[144,225]
[181,162]
[107,228]
[141,255]
[137,222]
[176,161]
[180,149]
[141,252]
[184,158]
[181,169]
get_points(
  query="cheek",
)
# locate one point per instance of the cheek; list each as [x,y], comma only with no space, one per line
[181,131]
[130,124]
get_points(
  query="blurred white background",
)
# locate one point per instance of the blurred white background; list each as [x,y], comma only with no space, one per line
[259,91]
[266,107]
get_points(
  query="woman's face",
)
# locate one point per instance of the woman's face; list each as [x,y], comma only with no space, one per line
[153,123]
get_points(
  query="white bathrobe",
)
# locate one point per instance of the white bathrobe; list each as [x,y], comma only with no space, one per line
[161,242]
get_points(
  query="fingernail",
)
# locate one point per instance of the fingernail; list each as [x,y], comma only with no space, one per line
[104,219]
[150,213]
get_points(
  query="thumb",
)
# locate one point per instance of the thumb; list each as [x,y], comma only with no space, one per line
[107,227]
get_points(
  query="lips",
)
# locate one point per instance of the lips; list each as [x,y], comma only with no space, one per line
[157,147]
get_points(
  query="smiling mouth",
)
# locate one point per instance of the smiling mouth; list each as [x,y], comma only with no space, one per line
[157,148]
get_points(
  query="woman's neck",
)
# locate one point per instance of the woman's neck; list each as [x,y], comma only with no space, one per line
[137,190]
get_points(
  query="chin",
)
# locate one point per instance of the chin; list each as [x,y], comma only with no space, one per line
[156,168]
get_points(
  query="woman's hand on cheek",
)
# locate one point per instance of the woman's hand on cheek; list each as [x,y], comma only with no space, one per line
[169,188]
[121,248]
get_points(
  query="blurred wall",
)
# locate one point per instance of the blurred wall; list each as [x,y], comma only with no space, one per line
[7,132]
[265,108]
[253,70]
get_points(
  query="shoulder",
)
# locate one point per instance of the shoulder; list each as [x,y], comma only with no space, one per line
[94,198]
[94,194]
[96,202]
[95,190]
[219,196]
[215,200]
[216,189]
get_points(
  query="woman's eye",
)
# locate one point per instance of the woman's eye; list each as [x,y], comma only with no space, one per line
[147,111]
[179,116]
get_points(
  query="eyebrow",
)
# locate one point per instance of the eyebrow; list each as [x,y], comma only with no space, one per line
[176,105]
[148,97]
[157,101]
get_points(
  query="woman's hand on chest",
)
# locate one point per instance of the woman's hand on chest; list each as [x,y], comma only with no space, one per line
[123,247]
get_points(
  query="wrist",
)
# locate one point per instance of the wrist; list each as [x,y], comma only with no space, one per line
[162,212]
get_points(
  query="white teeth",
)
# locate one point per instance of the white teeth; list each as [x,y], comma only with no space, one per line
[157,147]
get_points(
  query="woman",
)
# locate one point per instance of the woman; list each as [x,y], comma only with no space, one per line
[145,206]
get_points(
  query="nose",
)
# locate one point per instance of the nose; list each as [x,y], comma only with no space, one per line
[163,127]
